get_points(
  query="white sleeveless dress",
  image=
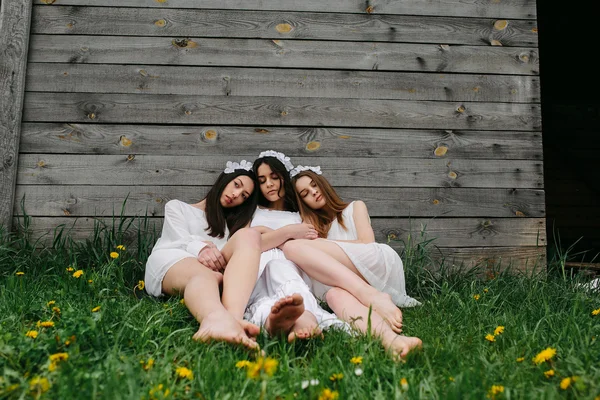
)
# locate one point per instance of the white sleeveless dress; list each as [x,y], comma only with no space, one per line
[378,263]
[279,277]
[183,236]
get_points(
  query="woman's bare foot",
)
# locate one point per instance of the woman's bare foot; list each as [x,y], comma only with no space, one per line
[306,326]
[250,329]
[223,327]
[384,306]
[400,345]
[284,314]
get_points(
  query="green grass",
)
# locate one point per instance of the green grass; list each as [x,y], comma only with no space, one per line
[106,347]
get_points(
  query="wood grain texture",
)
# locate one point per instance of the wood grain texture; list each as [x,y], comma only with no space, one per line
[239,141]
[520,9]
[282,25]
[289,111]
[90,201]
[15,19]
[284,54]
[143,170]
[444,232]
[215,81]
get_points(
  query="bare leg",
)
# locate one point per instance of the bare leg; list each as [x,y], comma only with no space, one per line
[200,288]
[348,308]
[326,262]
[242,253]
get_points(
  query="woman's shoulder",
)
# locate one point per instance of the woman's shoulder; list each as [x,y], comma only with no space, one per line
[178,205]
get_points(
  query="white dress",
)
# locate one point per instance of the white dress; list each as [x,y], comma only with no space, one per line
[378,263]
[183,236]
[279,277]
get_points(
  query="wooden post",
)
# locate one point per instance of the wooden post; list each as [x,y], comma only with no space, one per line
[15,20]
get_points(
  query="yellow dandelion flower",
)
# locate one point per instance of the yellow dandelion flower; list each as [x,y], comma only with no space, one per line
[114,254]
[19,273]
[494,390]
[565,383]
[183,372]
[544,355]
[120,247]
[32,334]
[253,370]
[182,301]
[328,394]
[242,364]
[596,311]
[549,373]
[96,309]
[148,364]
[10,388]
[56,310]
[490,338]
[90,281]
[336,377]
[499,330]
[51,303]
[141,285]
[52,366]
[70,269]
[45,324]
[404,383]
[270,366]
[486,290]
[39,384]
[520,359]
[476,296]
[451,379]
[356,360]
[158,390]
[78,273]
[59,357]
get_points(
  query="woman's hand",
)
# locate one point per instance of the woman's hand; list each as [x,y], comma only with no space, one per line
[302,231]
[212,258]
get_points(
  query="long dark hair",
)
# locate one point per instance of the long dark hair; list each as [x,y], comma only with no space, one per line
[290,202]
[334,205]
[218,217]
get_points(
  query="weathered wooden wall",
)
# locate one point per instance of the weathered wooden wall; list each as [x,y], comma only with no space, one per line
[430,113]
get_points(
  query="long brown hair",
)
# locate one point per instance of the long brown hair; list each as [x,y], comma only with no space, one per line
[334,205]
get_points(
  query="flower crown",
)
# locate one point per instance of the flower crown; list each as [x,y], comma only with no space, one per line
[234,166]
[300,168]
[280,156]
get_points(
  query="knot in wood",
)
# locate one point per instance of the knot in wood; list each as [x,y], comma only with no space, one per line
[435,202]
[524,57]
[180,42]
[210,134]
[440,151]
[91,115]
[313,146]
[370,10]
[160,23]
[284,28]
[519,213]
[501,24]
[260,130]
[452,175]
[131,157]
[461,109]
[124,141]
[495,42]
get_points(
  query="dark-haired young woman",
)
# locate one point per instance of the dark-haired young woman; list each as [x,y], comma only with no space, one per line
[205,244]
[282,301]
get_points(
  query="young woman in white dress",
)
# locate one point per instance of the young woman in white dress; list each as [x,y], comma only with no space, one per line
[207,244]
[350,242]
[282,301]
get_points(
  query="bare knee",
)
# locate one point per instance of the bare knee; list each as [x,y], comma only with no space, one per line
[249,237]
[334,296]
[293,247]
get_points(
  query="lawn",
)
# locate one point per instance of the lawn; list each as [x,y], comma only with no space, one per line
[74,324]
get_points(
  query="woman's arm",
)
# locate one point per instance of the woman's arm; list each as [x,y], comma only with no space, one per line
[271,239]
[362,221]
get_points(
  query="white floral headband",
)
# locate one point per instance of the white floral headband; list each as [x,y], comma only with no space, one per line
[280,156]
[234,166]
[300,168]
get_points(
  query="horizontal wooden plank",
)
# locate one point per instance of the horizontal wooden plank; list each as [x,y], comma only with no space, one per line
[233,141]
[89,201]
[284,54]
[143,170]
[282,25]
[444,232]
[492,259]
[524,9]
[215,81]
[182,109]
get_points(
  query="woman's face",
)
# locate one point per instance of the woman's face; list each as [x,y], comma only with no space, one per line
[237,191]
[309,192]
[270,183]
